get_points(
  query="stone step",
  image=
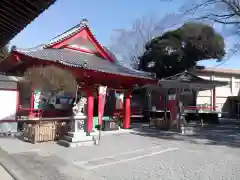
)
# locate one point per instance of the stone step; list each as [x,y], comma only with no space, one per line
[66,143]
[76,139]
[74,134]
[191,130]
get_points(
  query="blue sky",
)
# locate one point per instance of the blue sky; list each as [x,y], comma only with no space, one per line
[103,15]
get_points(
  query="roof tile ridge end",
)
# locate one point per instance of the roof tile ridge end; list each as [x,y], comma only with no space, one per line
[36,48]
[175,75]
[150,74]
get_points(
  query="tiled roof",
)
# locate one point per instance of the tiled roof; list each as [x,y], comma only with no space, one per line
[185,76]
[10,78]
[186,79]
[83,60]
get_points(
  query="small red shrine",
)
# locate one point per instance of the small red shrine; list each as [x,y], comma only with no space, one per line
[91,63]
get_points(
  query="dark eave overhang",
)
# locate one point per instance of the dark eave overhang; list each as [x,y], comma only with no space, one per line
[76,59]
[16,15]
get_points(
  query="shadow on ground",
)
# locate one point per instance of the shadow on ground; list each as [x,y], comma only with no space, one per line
[225,134]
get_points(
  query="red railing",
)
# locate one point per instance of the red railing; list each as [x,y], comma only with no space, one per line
[200,108]
[134,111]
[29,112]
[37,113]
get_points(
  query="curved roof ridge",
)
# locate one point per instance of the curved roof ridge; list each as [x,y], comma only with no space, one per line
[131,68]
[121,63]
[128,66]
[175,75]
[39,47]
[70,32]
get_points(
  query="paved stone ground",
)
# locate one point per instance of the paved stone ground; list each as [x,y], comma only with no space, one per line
[141,154]
[4,174]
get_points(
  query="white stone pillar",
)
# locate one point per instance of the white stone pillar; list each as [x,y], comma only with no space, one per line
[78,123]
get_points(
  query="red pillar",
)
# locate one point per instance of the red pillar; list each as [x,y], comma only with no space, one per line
[18,102]
[31,103]
[127,111]
[90,106]
[214,99]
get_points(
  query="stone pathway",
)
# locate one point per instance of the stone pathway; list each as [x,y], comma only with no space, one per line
[4,174]
[42,166]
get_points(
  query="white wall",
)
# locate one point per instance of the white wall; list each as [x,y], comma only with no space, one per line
[8,103]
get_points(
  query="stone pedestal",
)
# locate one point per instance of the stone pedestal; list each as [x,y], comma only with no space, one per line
[77,135]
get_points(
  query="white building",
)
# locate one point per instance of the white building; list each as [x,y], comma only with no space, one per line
[227,98]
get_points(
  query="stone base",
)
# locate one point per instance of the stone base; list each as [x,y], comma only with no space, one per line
[75,144]
[93,133]
[76,139]
[66,143]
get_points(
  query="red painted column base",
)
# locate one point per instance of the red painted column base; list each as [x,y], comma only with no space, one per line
[90,106]
[127,111]
[100,108]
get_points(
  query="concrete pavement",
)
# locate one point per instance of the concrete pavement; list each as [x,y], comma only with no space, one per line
[4,174]
[138,154]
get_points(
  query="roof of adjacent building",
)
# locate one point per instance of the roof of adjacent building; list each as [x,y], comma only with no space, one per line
[16,15]
[189,80]
[185,76]
[219,70]
[10,78]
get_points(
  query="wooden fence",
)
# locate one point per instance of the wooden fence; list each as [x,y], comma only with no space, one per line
[43,131]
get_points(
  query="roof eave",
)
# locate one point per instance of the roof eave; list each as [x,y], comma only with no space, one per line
[207,84]
[11,13]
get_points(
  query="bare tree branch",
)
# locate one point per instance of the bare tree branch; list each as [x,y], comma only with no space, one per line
[216,19]
[226,13]
[220,11]
[201,5]
[51,78]
[130,43]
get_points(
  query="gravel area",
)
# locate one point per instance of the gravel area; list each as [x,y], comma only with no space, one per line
[187,162]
